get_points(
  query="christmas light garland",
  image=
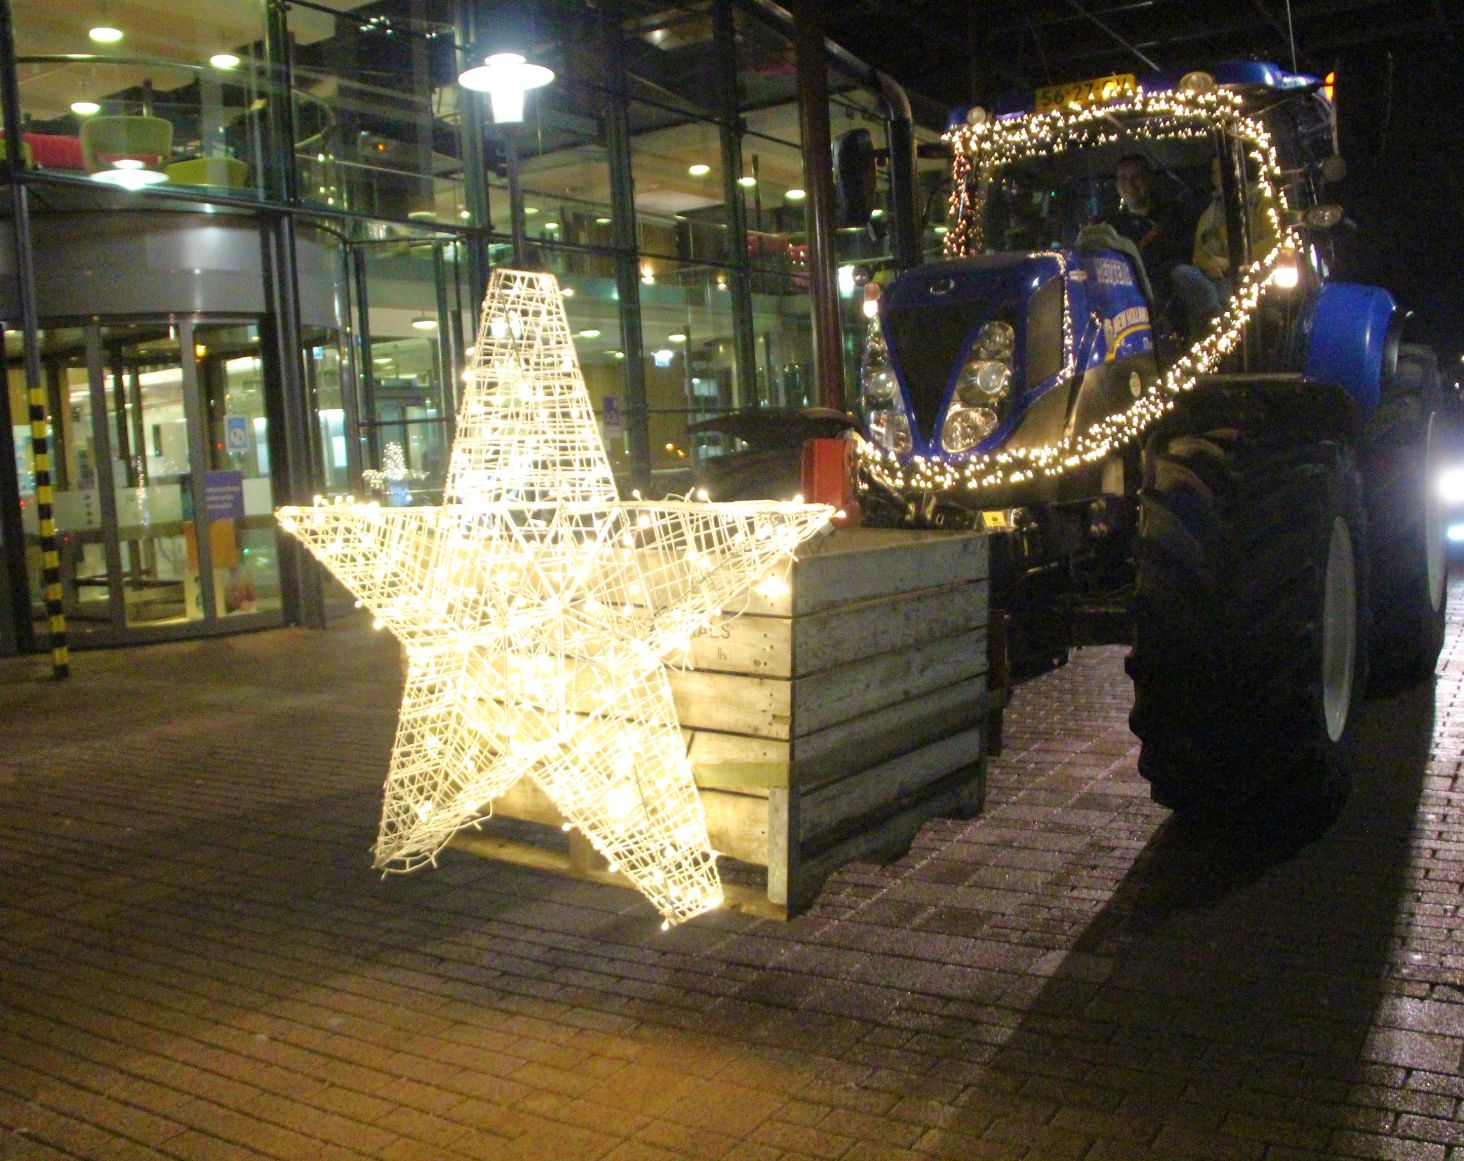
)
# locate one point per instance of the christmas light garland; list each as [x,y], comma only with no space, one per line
[1167,116]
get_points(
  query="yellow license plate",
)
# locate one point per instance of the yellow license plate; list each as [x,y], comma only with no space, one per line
[1087,92]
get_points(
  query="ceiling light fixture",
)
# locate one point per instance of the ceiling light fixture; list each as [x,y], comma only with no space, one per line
[105,34]
[224,60]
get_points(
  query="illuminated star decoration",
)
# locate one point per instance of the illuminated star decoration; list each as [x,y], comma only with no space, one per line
[535,608]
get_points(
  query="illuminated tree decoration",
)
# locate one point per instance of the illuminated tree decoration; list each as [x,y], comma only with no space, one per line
[1163,115]
[536,609]
[393,474]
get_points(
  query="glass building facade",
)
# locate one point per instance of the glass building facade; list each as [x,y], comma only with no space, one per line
[246,242]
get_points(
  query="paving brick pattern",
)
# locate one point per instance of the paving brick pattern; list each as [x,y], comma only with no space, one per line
[199,963]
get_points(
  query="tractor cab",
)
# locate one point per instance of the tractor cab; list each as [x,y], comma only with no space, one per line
[1060,314]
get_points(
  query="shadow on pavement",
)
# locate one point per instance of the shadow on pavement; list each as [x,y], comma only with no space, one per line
[1232,995]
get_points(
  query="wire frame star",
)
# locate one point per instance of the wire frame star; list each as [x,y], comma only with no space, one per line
[536,610]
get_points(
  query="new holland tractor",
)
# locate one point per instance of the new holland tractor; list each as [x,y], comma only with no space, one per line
[1253,485]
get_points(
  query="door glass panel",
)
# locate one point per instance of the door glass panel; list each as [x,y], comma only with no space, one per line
[237,491]
[147,427]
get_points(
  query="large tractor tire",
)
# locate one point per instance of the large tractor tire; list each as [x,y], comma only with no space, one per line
[1406,554]
[1250,626]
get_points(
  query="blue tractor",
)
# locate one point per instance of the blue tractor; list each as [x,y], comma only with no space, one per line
[1208,443]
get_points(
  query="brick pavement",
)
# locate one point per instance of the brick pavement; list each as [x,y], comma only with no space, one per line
[199,963]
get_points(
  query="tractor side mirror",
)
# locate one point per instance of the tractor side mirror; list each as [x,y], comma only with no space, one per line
[855,177]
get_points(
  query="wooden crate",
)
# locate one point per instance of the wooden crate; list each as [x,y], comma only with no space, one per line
[827,723]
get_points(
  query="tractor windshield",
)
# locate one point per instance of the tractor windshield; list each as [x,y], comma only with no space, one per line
[1042,201]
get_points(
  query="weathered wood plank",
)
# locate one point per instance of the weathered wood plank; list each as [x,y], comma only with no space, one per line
[847,800]
[849,632]
[765,707]
[860,687]
[872,738]
[856,564]
[887,836]
[782,646]
[737,825]
[732,703]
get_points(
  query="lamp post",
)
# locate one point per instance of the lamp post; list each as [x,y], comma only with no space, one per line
[506,77]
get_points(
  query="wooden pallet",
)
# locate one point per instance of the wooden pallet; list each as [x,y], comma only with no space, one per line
[824,724]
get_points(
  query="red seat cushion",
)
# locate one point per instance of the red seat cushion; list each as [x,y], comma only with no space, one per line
[55,151]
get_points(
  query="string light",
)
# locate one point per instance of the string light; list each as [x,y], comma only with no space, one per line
[538,611]
[993,143]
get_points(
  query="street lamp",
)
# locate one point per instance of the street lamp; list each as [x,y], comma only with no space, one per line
[506,77]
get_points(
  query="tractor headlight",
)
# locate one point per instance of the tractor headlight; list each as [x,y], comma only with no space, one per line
[890,429]
[982,388]
[996,340]
[983,382]
[965,427]
[877,379]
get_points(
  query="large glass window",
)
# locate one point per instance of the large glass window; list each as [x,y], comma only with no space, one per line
[167,99]
[413,350]
[377,112]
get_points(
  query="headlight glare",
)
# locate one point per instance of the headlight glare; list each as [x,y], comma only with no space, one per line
[1451,486]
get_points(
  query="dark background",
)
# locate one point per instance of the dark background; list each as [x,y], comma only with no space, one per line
[1399,98]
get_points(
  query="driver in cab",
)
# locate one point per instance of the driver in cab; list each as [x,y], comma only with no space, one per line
[1159,228]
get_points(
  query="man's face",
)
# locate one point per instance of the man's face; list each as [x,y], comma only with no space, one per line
[1133,184]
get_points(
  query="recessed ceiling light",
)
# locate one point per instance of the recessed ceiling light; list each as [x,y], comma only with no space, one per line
[85,108]
[567,291]
[602,221]
[796,195]
[224,60]
[700,169]
[678,337]
[588,333]
[531,210]
[551,225]
[105,34]
[747,180]
[424,323]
